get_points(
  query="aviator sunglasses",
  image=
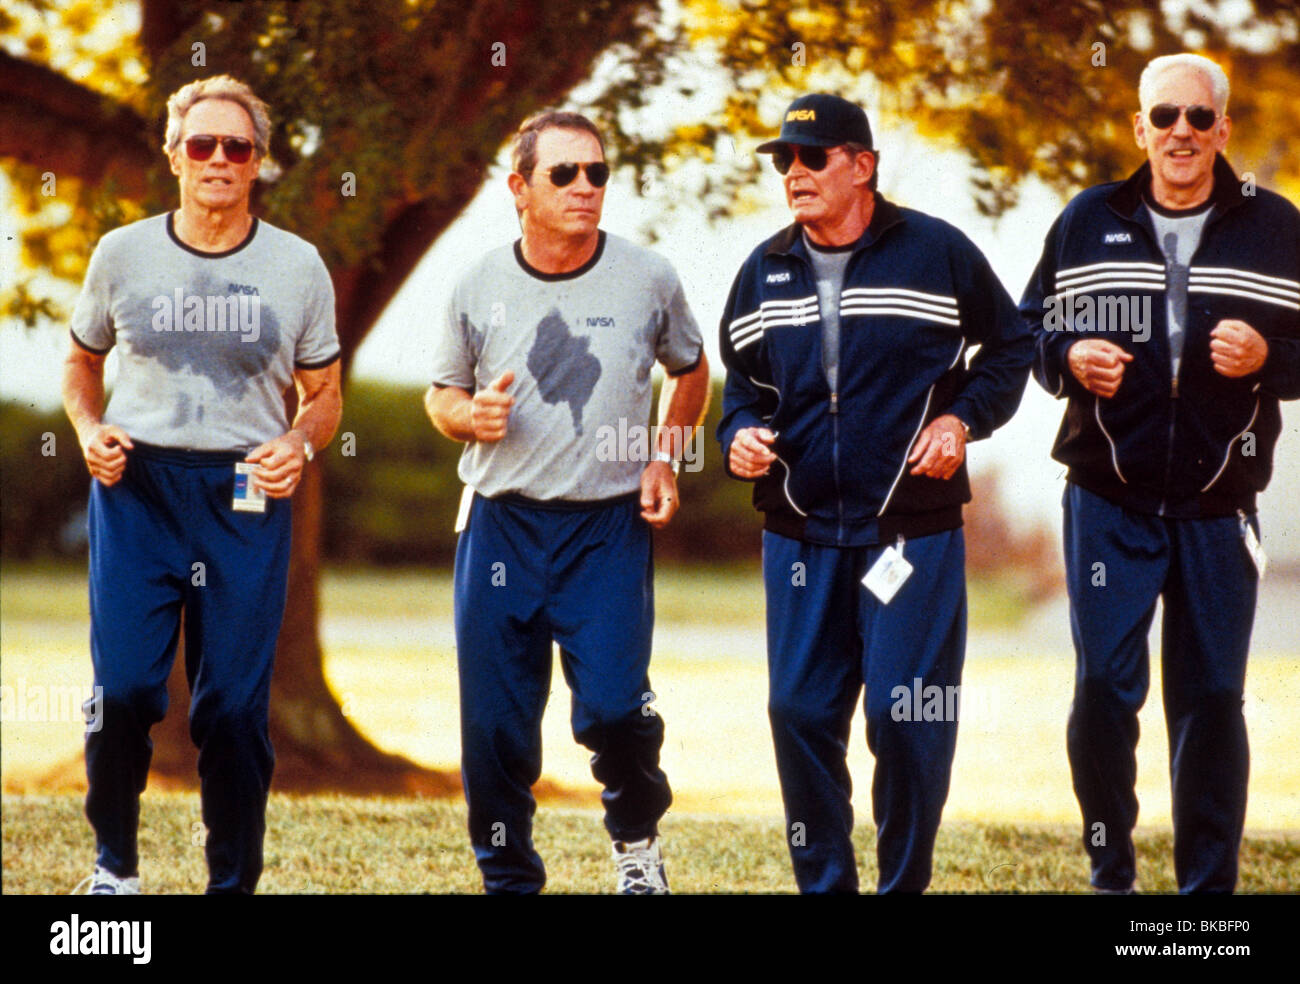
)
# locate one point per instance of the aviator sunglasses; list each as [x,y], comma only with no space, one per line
[564,174]
[203,145]
[1165,115]
[813,158]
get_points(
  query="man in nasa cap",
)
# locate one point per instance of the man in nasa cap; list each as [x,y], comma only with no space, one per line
[848,403]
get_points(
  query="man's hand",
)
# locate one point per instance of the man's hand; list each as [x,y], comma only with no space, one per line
[1098,365]
[1236,349]
[490,409]
[940,448]
[751,455]
[281,461]
[659,499]
[102,449]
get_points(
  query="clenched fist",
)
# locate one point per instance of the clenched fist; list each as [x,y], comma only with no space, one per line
[751,455]
[1098,365]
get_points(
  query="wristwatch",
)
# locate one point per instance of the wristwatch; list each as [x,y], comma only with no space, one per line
[308,451]
[668,459]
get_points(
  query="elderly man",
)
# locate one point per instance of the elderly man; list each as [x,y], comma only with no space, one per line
[548,345]
[849,403]
[214,314]
[1168,435]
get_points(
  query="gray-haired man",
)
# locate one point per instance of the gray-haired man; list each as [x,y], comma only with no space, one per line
[1168,435]
[213,314]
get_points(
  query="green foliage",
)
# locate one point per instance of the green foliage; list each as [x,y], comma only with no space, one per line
[1024,87]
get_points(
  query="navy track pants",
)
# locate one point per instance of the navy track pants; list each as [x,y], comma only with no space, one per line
[165,538]
[1117,563]
[528,575]
[829,639]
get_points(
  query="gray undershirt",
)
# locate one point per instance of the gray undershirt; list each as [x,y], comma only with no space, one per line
[1178,236]
[829,265]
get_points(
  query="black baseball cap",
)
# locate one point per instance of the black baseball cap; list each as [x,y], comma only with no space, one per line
[819,120]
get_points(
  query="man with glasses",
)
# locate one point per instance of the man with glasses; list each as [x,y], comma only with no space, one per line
[547,350]
[213,314]
[1168,435]
[849,401]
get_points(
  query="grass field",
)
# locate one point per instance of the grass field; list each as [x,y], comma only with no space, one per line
[1011,823]
[329,844]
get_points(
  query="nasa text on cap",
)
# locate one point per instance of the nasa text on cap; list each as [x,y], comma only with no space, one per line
[819,120]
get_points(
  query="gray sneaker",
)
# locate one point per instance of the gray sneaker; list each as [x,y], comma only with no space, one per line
[640,867]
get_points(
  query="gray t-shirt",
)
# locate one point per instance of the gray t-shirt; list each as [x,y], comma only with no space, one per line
[207,342]
[1179,233]
[581,346]
[829,264]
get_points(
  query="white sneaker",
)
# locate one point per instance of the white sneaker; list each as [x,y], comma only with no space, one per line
[104,882]
[640,867]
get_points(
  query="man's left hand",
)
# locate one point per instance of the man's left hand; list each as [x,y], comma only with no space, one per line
[940,449]
[1236,349]
[658,494]
[281,461]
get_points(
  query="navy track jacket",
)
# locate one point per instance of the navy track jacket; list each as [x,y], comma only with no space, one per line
[1202,445]
[917,294]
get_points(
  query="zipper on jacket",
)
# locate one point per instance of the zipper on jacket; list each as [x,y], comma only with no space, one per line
[1169,450]
[834,408]
[1169,453]
[835,460]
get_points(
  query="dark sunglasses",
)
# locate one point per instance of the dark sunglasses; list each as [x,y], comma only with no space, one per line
[565,174]
[813,158]
[1165,115]
[203,145]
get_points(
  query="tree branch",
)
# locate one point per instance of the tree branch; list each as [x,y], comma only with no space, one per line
[59,125]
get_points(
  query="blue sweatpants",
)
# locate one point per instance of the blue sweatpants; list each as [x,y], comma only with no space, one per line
[528,574]
[165,538]
[828,638]
[1117,563]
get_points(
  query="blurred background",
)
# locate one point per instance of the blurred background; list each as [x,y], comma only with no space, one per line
[389,154]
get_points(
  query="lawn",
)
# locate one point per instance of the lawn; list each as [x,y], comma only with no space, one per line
[332,844]
[1011,823]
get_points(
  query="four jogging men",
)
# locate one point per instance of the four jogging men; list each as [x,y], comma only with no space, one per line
[865,345]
